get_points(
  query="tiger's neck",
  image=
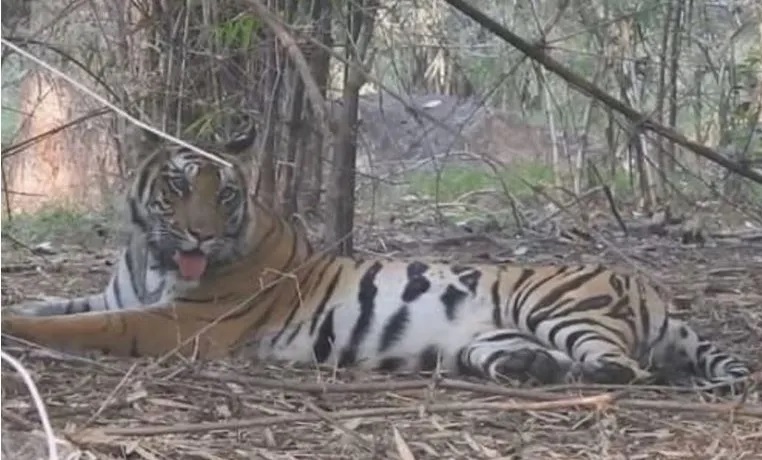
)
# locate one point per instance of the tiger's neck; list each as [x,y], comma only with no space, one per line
[272,248]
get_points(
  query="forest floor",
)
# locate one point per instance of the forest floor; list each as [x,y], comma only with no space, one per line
[106,408]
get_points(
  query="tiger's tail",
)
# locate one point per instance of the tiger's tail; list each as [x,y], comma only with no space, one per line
[684,352]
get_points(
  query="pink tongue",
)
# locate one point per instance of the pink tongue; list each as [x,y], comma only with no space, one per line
[191,266]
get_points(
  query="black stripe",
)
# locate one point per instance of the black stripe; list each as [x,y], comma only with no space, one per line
[645,311]
[417,283]
[416,269]
[526,273]
[452,298]
[367,299]
[214,299]
[394,328]
[545,307]
[596,302]
[497,317]
[297,304]
[575,339]
[324,300]
[458,269]
[588,325]
[622,309]
[135,216]
[115,286]
[471,280]
[138,285]
[294,333]
[414,288]
[295,307]
[547,279]
[324,342]
[391,364]
[429,358]
[494,356]
[511,335]
[714,361]
[616,284]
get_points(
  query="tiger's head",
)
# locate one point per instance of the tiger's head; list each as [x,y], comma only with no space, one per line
[194,211]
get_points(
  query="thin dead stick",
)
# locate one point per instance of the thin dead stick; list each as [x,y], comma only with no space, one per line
[597,402]
[372,387]
[112,395]
[328,418]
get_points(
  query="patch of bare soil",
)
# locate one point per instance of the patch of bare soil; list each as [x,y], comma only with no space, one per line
[173,409]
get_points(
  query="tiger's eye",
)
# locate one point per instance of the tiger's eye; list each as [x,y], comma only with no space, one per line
[227,193]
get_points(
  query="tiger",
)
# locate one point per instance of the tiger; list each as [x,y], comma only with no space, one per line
[209,272]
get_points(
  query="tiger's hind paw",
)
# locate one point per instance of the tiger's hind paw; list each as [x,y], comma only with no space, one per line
[528,364]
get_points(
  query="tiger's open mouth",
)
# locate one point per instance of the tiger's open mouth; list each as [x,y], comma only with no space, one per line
[191,264]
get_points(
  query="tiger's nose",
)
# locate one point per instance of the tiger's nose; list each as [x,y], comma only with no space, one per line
[200,235]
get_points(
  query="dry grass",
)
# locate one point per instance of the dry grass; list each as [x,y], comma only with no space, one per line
[136,409]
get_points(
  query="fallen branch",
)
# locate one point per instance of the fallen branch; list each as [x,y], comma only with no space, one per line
[597,402]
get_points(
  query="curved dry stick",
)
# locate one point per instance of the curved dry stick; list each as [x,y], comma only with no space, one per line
[39,404]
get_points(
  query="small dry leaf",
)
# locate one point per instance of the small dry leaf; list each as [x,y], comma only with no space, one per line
[136,396]
[223,410]
[520,250]
[269,438]
[402,447]
[170,403]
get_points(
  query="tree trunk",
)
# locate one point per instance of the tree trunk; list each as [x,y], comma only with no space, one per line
[361,18]
[312,153]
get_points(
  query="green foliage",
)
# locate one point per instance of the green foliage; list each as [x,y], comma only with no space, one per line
[238,32]
[10,121]
[455,181]
[58,223]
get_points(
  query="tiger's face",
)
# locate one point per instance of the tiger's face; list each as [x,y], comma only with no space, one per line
[195,212]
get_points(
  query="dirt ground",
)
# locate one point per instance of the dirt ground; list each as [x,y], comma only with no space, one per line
[106,408]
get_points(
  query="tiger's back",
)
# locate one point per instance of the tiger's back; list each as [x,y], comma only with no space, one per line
[210,272]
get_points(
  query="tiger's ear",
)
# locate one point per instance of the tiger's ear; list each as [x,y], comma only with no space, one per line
[242,141]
